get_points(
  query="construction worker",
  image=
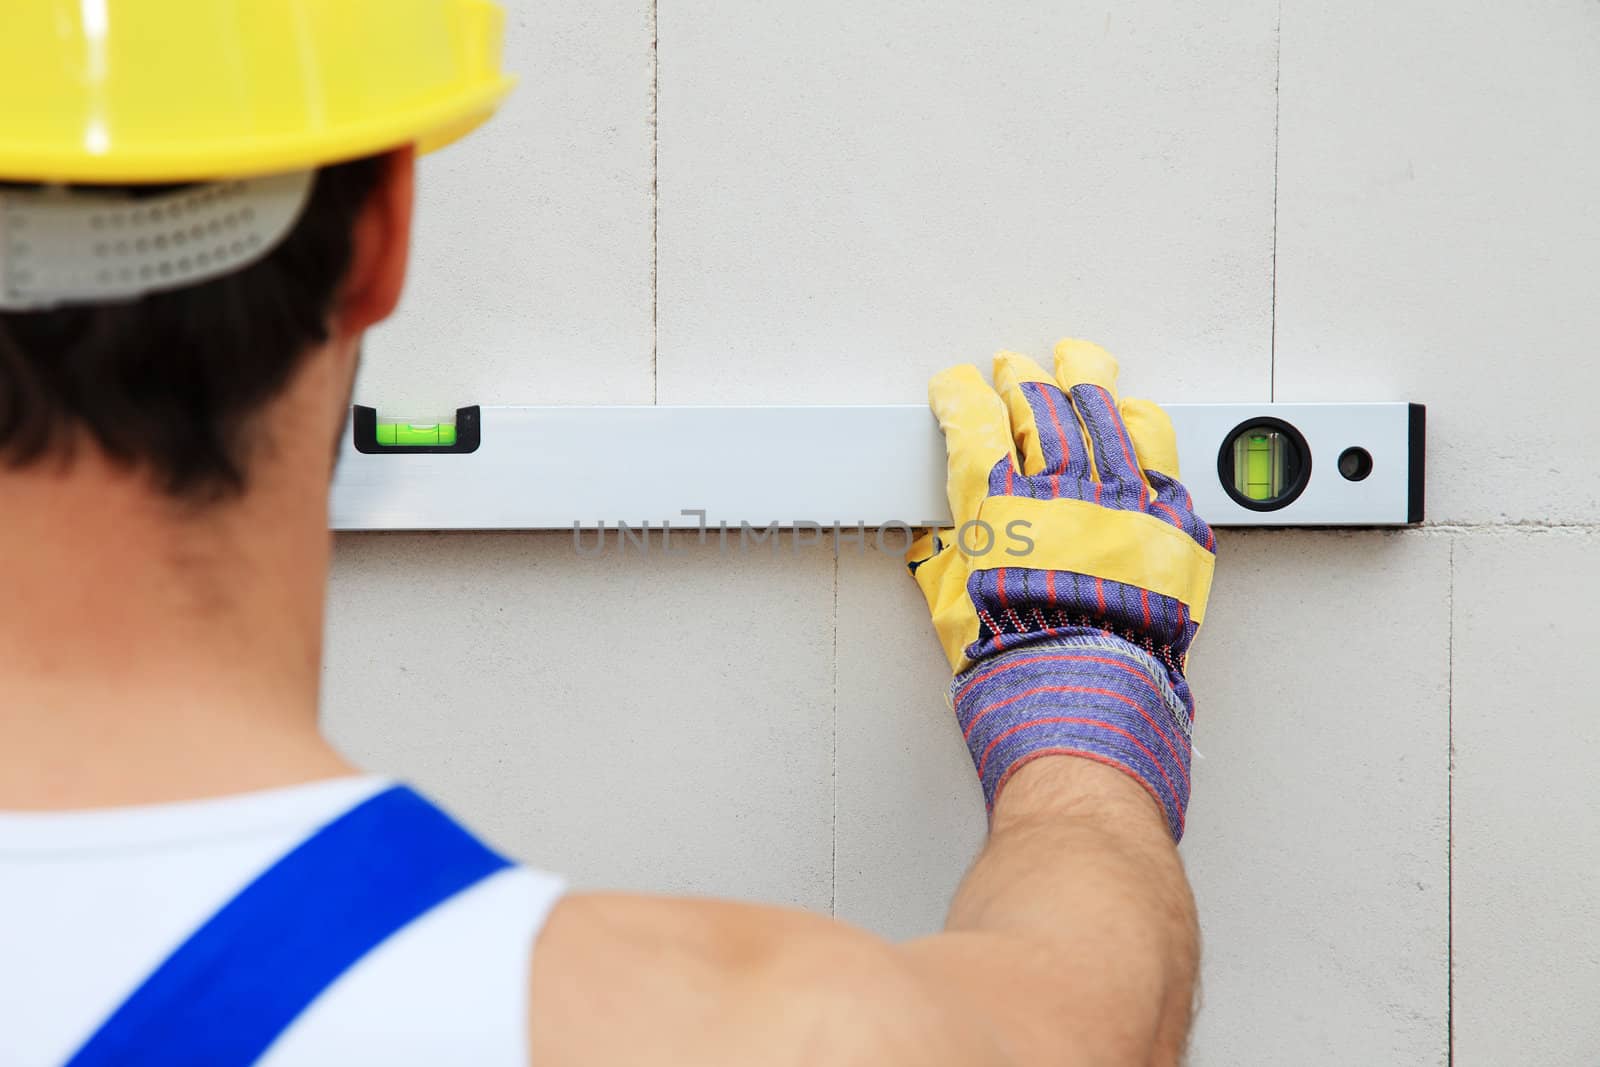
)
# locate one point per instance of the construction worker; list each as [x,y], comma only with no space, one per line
[204,204]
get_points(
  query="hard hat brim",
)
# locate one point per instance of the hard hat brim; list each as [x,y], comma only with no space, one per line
[220,158]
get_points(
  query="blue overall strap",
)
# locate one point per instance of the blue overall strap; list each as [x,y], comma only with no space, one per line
[227,993]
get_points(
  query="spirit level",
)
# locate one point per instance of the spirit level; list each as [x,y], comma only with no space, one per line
[543,468]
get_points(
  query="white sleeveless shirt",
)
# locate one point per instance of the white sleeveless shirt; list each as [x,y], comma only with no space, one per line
[91,902]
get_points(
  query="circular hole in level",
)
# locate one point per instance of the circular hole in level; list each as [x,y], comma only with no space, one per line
[1355,463]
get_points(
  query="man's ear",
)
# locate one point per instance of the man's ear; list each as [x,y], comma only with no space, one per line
[380,243]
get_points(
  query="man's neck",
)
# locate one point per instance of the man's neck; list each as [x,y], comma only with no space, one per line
[150,653]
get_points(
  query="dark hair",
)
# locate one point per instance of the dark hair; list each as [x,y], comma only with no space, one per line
[169,382]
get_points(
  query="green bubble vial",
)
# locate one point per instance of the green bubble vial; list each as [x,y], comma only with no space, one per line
[426,434]
[1258,454]
[1264,465]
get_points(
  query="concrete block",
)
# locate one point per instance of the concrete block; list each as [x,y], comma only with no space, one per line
[645,722]
[1316,837]
[530,268]
[1439,236]
[854,195]
[1526,914]
[910,813]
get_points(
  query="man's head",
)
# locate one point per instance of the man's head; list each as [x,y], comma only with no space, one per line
[182,384]
[172,365]
[204,204]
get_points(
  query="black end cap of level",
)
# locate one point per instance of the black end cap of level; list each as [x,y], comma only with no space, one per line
[1418,458]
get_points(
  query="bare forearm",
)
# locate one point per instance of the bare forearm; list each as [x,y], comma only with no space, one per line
[1065,823]
[1074,933]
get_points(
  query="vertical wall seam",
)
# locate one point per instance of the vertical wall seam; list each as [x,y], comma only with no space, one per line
[1277,113]
[655,202]
[833,875]
[1449,813]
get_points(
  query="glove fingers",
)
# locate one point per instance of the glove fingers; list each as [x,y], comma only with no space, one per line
[1048,436]
[1089,374]
[1173,503]
[1114,459]
[1085,363]
[1011,370]
[977,435]
[1155,443]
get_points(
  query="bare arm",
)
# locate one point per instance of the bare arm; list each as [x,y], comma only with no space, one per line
[1074,934]
[1071,941]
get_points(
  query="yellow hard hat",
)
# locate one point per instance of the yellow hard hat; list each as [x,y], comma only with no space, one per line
[147,91]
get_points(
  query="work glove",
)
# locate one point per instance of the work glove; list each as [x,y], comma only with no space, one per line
[1075,578]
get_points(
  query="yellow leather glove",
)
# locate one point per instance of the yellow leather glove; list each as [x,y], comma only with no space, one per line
[1068,592]
[1092,484]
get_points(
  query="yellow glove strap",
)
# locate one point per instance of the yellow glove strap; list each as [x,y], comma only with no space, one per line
[1132,547]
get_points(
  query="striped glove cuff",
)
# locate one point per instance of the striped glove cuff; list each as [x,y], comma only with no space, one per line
[1087,693]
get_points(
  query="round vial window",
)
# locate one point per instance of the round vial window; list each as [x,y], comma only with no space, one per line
[1264,464]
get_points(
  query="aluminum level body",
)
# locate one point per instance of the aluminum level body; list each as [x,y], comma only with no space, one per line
[543,468]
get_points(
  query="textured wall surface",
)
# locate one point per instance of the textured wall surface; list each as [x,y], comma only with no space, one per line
[824,203]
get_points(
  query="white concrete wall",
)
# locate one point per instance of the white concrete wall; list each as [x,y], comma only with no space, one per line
[826,202]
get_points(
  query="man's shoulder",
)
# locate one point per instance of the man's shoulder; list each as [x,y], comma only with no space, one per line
[625,978]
